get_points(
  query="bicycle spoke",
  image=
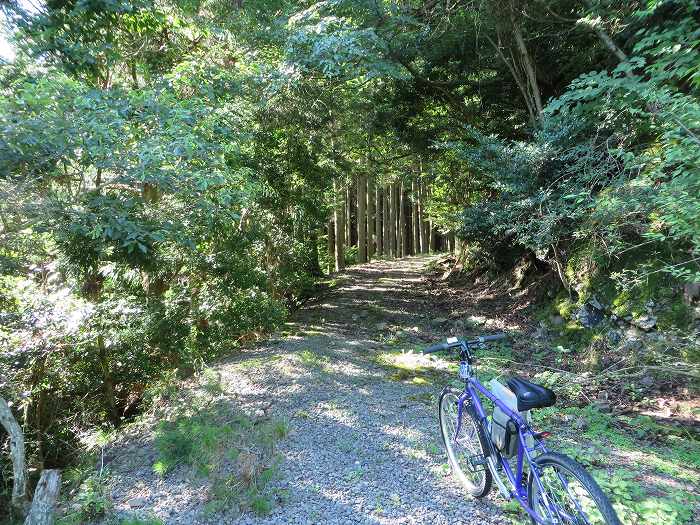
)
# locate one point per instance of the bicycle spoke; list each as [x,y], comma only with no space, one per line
[463,446]
[569,501]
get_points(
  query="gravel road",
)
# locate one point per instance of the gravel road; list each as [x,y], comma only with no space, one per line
[363,445]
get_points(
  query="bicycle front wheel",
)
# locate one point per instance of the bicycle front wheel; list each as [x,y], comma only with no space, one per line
[569,494]
[467,451]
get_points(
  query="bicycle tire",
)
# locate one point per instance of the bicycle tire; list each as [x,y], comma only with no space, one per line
[606,514]
[469,422]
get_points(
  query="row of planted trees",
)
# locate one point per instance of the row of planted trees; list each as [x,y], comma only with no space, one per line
[382,219]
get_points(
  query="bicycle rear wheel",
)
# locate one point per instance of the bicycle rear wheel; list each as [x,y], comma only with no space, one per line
[571,495]
[467,452]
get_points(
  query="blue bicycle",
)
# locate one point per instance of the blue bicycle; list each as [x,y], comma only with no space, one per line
[551,487]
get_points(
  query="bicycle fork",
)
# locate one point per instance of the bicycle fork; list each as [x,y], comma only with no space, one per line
[490,463]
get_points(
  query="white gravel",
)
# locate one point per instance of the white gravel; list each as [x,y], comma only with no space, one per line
[362,448]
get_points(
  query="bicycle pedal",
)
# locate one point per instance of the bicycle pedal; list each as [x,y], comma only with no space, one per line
[477,463]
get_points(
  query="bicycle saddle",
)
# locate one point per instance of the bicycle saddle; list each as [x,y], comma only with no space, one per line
[531,395]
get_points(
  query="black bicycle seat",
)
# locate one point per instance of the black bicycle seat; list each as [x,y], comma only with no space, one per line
[531,395]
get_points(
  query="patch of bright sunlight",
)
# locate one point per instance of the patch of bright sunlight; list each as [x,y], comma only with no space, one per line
[670,466]
[413,361]
[412,452]
[96,439]
[411,435]
[310,358]
[407,360]
[338,414]
[351,370]
[255,362]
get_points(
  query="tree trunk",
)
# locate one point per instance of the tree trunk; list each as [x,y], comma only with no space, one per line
[393,206]
[397,216]
[331,245]
[371,229]
[432,238]
[110,399]
[379,230]
[530,73]
[451,241]
[386,220]
[339,216]
[19,479]
[415,224]
[604,36]
[402,222]
[517,60]
[362,218]
[348,214]
[314,266]
[399,237]
[422,223]
[44,501]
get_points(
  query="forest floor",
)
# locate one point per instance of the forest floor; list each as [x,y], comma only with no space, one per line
[333,420]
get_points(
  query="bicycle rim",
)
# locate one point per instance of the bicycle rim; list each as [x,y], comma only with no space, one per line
[566,498]
[466,446]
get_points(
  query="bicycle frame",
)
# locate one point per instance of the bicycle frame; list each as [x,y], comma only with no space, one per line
[516,478]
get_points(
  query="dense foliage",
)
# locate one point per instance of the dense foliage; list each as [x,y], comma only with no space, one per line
[168,169]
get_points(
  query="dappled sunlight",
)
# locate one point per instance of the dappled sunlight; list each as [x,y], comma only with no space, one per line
[335,412]
[351,371]
[402,433]
[405,360]
[333,383]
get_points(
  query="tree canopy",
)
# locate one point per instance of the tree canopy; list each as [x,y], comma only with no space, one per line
[176,174]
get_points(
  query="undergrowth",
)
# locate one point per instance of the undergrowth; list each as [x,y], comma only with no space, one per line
[231,453]
[235,452]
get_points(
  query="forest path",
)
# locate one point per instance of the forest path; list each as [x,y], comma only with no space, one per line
[363,443]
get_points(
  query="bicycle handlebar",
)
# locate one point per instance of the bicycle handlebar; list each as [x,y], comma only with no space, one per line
[436,348]
[486,338]
[440,347]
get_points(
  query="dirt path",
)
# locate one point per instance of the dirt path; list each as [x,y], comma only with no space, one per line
[363,443]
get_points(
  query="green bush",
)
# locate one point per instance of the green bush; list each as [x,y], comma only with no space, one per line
[613,166]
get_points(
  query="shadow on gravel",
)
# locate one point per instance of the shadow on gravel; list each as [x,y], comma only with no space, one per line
[360,448]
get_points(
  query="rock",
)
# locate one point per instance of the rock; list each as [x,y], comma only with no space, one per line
[589,316]
[476,320]
[691,292]
[458,325]
[556,320]
[633,333]
[632,345]
[137,502]
[646,322]
[614,336]
[696,313]
[593,301]
[438,321]
[646,381]
[541,332]
[380,326]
